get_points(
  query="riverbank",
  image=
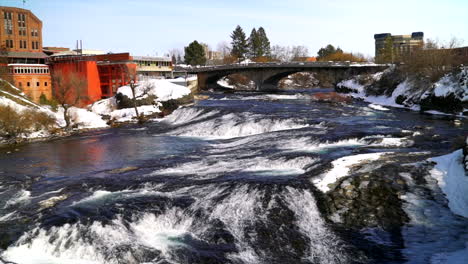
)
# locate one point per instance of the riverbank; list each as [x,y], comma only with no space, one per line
[155,99]
[395,88]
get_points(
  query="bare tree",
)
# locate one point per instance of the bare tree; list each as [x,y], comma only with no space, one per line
[130,74]
[69,90]
[279,53]
[299,52]
[224,48]
[178,54]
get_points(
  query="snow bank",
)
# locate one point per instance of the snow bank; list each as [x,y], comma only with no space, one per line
[224,83]
[452,180]
[450,84]
[128,114]
[86,119]
[341,168]
[162,89]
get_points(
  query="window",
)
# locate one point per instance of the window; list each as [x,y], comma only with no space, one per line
[45,83]
[9,43]
[38,84]
[28,84]
[20,84]
[8,23]
[23,44]
[34,33]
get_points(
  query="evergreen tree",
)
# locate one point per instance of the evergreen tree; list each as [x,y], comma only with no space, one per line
[174,59]
[195,54]
[327,51]
[264,49]
[239,43]
[254,44]
[387,54]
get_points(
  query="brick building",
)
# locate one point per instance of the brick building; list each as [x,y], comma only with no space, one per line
[21,39]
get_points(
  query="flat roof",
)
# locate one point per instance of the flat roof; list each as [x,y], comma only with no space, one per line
[27,55]
[148,58]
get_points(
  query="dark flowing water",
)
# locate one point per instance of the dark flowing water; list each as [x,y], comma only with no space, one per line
[232,179]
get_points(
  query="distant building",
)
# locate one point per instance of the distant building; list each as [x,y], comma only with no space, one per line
[402,44]
[54,50]
[154,66]
[21,38]
[104,74]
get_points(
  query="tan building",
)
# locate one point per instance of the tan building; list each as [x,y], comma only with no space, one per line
[154,66]
[402,44]
[21,37]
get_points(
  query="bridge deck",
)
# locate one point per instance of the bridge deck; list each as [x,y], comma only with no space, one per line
[273,65]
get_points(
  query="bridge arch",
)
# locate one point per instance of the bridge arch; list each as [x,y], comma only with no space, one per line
[266,76]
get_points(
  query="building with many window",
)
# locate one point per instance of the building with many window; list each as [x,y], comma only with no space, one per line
[21,39]
[159,67]
[401,44]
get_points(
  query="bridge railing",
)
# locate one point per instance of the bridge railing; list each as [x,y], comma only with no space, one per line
[280,65]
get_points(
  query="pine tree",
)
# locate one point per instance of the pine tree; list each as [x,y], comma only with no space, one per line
[327,51]
[254,44]
[174,59]
[239,43]
[195,54]
[264,49]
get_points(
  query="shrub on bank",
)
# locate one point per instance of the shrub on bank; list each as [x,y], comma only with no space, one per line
[15,123]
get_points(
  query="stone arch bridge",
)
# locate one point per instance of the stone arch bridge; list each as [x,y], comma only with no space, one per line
[267,75]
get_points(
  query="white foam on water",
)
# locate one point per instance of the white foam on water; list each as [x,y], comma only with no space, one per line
[102,196]
[324,246]
[188,114]
[282,166]
[394,142]
[7,217]
[95,243]
[237,125]
[341,168]
[237,212]
[378,107]
[305,144]
[22,197]
[216,165]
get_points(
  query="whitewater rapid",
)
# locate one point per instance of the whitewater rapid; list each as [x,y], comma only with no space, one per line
[234,179]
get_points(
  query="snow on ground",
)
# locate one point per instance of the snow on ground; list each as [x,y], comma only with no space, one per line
[162,89]
[378,107]
[224,83]
[453,181]
[447,85]
[341,168]
[127,114]
[86,119]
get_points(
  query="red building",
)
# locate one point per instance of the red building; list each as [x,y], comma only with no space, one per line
[103,73]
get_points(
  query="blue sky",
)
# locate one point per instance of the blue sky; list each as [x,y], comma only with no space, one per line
[152,27]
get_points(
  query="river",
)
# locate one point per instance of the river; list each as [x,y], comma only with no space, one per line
[237,178]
